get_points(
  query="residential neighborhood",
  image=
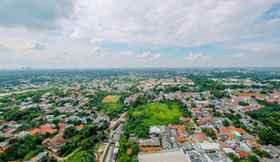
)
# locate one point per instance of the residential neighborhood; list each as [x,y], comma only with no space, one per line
[129,118]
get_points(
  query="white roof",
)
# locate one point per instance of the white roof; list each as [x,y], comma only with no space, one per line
[155,130]
[228,150]
[209,146]
[164,156]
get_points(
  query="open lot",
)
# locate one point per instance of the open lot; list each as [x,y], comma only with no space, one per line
[111,99]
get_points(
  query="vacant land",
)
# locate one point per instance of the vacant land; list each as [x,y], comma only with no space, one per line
[112,105]
[142,117]
[111,99]
[158,113]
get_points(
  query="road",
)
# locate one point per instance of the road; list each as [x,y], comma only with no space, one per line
[116,126]
[19,92]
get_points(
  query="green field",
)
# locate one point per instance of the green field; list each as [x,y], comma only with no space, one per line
[142,117]
[81,156]
[158,113]
[112,105]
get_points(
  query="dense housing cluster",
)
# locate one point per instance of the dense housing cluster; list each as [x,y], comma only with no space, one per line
[145,116]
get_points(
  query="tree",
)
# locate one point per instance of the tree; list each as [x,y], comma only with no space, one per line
[253,158]
[69,132]
[233,157]
[268,136]
[210,133]
[226,123]
[242,103]
[263,153]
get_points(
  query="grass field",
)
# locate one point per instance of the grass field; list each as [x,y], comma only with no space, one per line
[111,99]
[158,113]
[144,116]
[77,156]
[81,156]
[112,105]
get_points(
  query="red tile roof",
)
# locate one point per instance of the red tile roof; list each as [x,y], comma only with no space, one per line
[43,129]
[243,154]
[229,129]
[181,132]
[79,127]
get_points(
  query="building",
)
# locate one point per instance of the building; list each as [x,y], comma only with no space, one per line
[149,145]
[54,144]
[163,156]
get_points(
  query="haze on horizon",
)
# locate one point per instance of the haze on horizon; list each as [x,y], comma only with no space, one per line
[146,33]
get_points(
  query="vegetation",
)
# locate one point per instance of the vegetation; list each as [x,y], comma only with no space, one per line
[262,153]
[235,118]
[111,99]
[128,150]
[86,138]
[250,158]
[242,103]
[270,117]
[210,133]
[110,104]
[142,117]
[82,156]
[25,115]
[70,132]
[23,149]
[204,84]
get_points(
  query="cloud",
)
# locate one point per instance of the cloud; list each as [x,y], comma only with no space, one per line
[35,14]
[177,22]
[3,48]
[15,44]
[38,46]
[147,55]
[272,13]
[146,33]
[195,57]
[238,55]
[21,45]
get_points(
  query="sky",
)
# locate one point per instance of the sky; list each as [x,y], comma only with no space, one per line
[138,34]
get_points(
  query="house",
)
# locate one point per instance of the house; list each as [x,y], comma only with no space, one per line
[62,127]
[180,129]
[79,127]
[243,154]
[198,137]
[41,157]
[205,120]
[4,146]
[231,132]
[149,145]
[46,128]
[196,112]
[54,144]
[209,147]
[274,151]
[22,134]
[156,130]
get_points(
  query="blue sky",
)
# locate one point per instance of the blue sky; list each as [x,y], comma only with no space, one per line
[147,33]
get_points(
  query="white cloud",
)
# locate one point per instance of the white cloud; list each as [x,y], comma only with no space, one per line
[195,57]
[84,33]
[238,55]
[17,44]
[180,22]
[148,56]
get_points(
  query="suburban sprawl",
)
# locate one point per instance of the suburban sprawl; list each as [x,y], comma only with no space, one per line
[140,115]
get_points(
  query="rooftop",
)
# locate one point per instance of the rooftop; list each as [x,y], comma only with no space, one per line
[164,156]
